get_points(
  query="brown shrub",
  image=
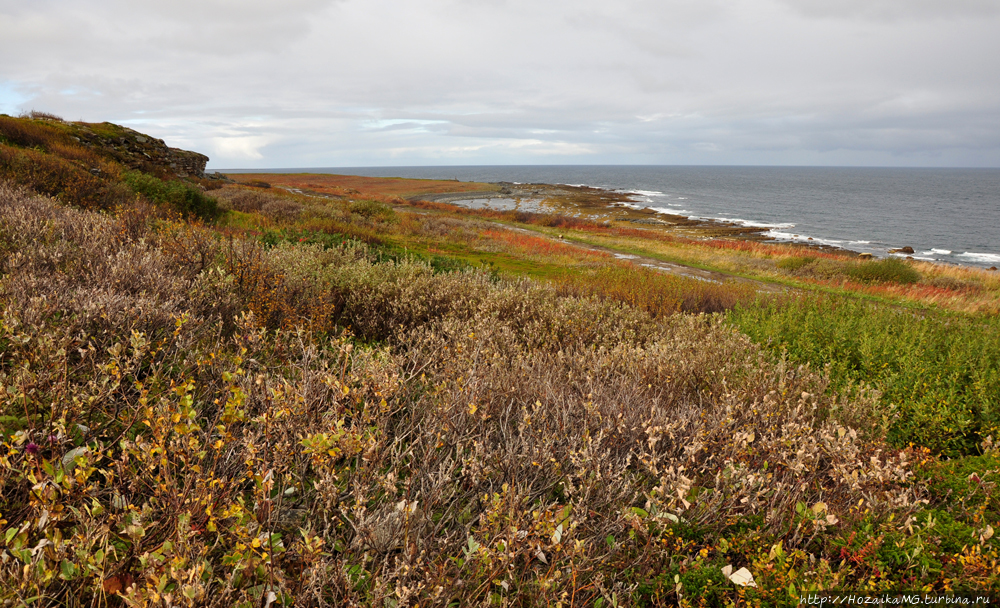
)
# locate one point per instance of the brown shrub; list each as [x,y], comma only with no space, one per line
[271,205]
[54,176]
[25,133]
[276,299]
[37,115]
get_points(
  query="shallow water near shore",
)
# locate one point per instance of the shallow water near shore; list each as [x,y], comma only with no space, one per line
[945,215]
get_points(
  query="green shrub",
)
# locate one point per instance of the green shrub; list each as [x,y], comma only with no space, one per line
[187,199]
[889,270]
[372,209]
[940,372]
[795,262]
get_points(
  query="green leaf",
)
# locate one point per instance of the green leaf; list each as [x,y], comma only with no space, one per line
[565,513]
[68,570]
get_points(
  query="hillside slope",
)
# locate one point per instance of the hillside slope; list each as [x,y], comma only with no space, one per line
[101,166]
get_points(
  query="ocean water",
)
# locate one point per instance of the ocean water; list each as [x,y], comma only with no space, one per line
[945,215]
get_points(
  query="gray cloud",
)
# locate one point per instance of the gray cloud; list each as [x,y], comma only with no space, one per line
[891,10]
[368,82]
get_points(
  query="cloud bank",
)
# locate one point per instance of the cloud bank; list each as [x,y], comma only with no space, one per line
[308,83]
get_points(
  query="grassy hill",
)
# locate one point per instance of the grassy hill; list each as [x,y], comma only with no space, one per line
[221,393]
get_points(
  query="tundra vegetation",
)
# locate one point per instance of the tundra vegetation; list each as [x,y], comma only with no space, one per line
[219,394]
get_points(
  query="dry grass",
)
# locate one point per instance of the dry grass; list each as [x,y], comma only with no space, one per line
[355,186]
[658,293]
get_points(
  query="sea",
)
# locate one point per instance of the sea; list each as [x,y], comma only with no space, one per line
[946,215]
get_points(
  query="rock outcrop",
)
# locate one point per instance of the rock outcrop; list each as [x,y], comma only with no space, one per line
[138,151]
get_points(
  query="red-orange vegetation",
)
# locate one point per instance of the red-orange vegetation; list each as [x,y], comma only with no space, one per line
[534,245]
[360,186]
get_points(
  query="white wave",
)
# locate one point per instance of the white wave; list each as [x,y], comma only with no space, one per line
[801,238]
[980,257]
[941,251]
[861,242]
[920,257]
[670,211]
[645,192]
[747,223]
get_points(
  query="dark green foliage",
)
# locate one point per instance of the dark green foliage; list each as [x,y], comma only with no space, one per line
[940,373]
[185,198]
[889,270]
[327,240]
[795,262]
[970,480]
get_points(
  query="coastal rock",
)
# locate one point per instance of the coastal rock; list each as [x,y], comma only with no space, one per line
[906,249]
[138,151]
[865,256]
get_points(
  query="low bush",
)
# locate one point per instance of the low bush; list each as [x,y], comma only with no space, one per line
[24,133]
[889,270]
[185,198]
[940,373]
[372,209]
[61,178]
[274,206]
[793,263]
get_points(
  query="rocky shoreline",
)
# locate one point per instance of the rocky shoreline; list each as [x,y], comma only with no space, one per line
[607,206]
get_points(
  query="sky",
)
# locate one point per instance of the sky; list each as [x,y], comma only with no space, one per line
[342,83]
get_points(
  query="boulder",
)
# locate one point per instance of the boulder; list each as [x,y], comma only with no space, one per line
[906,249]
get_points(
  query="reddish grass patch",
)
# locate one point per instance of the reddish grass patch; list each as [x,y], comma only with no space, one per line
[534,245]
[365,187]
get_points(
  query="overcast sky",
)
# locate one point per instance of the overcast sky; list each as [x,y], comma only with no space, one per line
[321,83]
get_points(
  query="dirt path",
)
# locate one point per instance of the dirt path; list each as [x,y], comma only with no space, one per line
[673,268]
